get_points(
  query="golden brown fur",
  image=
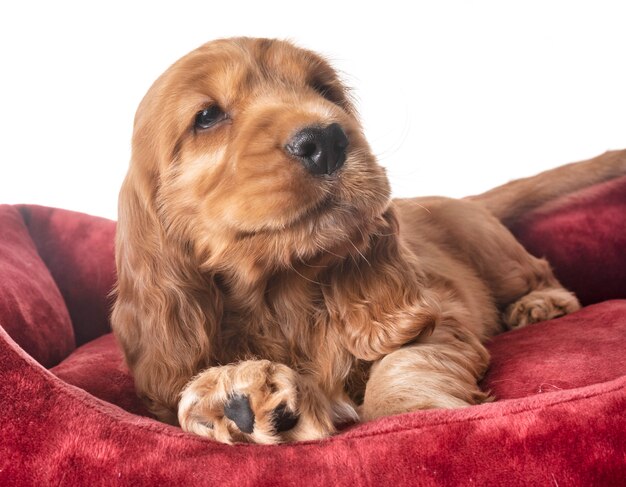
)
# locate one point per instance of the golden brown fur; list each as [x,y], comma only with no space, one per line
[241,274]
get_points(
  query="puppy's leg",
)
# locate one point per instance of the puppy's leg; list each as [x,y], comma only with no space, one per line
[254,401]
[440,371]
[523,286]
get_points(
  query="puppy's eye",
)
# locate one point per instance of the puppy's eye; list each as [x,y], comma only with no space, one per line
[209,117]
[330,92]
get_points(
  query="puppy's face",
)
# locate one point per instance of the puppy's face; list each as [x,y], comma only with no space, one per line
[254,143]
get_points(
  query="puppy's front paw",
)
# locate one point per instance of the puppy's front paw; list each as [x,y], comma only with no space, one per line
[540,305]
[256,401]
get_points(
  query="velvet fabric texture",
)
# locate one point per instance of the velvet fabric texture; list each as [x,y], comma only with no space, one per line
[583,236]
[32,309]
[69,415]
[79,252]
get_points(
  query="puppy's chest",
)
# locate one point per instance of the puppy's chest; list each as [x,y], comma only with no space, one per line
[285,321]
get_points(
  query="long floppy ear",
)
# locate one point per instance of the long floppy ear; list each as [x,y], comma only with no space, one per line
[167,311]
[379,298]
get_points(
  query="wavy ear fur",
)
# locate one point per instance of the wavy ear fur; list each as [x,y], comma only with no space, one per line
[382,295]
[167,311]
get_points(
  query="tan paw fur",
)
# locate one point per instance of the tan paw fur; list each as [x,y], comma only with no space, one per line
[267,386]
[540,305]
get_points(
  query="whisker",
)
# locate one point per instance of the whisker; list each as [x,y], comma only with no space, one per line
[311,266]
[424,208]
[323,249]
[360,253]
[304,277]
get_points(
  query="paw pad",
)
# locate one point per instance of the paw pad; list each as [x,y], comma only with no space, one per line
[283,419]
[238,410]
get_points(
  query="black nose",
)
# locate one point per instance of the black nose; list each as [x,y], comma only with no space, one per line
[321,150]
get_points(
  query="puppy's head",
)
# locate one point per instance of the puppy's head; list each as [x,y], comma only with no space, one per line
[252,146]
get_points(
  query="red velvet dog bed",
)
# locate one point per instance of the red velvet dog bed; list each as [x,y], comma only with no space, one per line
[69,416]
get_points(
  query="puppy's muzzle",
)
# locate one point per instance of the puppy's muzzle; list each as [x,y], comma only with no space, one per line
[322,150]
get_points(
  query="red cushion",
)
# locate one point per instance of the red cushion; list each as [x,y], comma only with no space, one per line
[583,237]
[32,310]
[583,348]
[79,252]
[98,368]
[56,434]
[561,386]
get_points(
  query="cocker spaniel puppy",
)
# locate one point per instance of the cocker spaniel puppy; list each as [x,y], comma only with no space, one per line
[269,289]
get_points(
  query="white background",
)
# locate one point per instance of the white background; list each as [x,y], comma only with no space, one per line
[456,96]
